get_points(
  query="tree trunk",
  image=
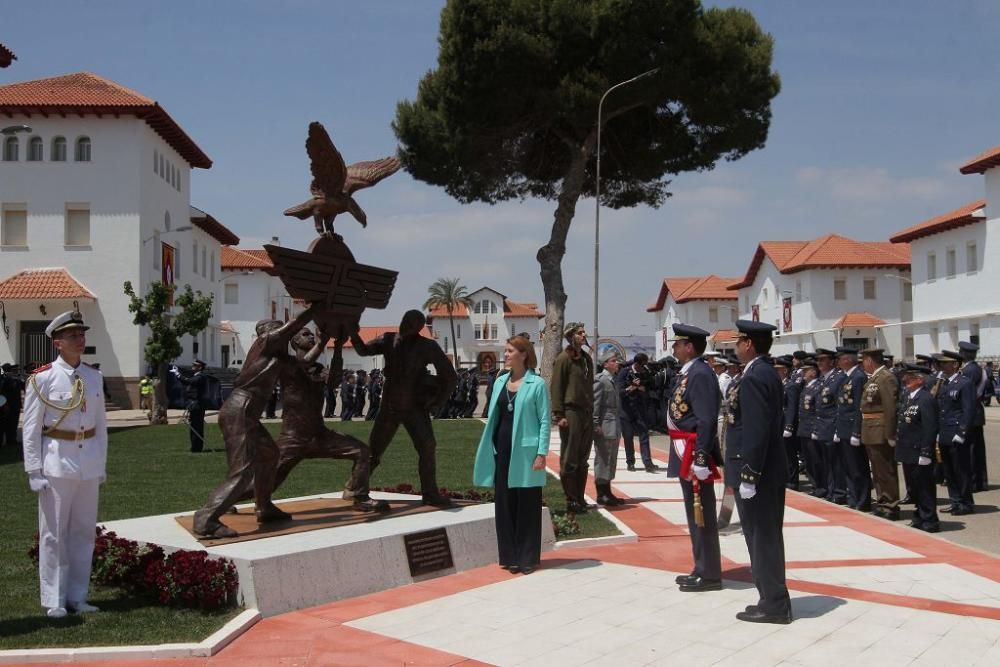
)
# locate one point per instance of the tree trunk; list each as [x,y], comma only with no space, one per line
[454,341]
[550,255]
[158,413]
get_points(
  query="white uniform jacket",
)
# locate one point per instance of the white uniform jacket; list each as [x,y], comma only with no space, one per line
[76,458]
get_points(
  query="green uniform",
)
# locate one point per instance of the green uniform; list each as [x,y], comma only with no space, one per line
[573,398]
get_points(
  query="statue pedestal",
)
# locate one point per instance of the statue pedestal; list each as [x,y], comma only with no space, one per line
[305,569]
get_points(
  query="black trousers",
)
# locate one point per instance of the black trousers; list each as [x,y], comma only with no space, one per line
[859,475]
[518,518]
[761,518]
[196,421]
[923,493]
[418,425]
[632,427]
[834,471]
[705,539]
[792,446]
[346,410]
[980,478]
[815,455]
[958,472]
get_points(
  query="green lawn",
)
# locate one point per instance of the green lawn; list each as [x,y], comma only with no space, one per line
[150,471]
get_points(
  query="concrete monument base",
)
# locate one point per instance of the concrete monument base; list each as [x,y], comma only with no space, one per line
[289,572]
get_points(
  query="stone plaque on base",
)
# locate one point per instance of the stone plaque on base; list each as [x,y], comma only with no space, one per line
[428,551]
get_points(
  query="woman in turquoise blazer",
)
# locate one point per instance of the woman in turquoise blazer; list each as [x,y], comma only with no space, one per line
[511,456]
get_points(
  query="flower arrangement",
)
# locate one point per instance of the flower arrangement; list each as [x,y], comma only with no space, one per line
[184,578]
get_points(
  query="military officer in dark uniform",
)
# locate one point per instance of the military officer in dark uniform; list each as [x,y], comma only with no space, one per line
[847,437]
[813,454]
[977,441]
[11,388]
[756,464]
[916,433]
[692,419]
[790,416]
[824,431]
[956,413]
[194,399]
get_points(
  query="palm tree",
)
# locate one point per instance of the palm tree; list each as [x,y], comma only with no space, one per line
[448,294]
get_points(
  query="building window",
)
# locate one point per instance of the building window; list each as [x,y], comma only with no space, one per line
[764,301]
[232,294]
[934,339]
[458,331]
[713,314]
[746,303]
[58,149]
[949,263]
[971,257]
[840,289]
[157,248]
[477,332]
[907,291]
[177,262]
[493,308]
[974,333]
[798,291]
[194,259]
[78,227]
[212,268]
[870,289]
[82,150]
[162,166]
[14,228]
[156,162]
[35,149]
[204,261]
[10,146]
[953,332]
[479,306]
[211,347]
[931,266]
[493,331]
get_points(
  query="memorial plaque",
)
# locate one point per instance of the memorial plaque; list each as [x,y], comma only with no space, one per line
[428,551]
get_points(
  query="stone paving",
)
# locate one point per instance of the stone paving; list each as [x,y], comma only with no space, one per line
[863,590]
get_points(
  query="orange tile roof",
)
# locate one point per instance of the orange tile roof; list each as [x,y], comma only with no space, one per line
[86,93]
[6,56]
[725,336]
[368,334]
[510,309]
[827,252]
[964,215]
[244,258]
[850,320]
[226,326]
[212,227]
[986,160]
[43,284]
[710,287]
[441,311]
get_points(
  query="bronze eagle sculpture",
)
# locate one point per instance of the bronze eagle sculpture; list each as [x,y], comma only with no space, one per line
[333,183]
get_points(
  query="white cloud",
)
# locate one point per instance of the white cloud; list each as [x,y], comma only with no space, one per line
[869,184]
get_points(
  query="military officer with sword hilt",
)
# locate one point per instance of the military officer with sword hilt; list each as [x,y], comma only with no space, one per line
[694,454]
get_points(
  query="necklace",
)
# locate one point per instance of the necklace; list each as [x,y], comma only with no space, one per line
[510,398]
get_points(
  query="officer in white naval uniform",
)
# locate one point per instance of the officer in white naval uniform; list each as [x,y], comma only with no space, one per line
[65,450]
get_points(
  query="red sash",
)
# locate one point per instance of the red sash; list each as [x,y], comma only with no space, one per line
[687,456]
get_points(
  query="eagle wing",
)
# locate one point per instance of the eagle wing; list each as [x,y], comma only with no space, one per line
[326,163]
[366,174]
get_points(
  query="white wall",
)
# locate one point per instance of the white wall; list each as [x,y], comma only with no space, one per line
[697,313]
[256,291]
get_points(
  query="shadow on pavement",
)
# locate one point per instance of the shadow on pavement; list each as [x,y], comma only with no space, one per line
[814,606]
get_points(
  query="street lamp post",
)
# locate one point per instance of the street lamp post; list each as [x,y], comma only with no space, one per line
[597,205]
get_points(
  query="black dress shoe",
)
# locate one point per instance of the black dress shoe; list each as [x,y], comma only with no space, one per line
[527,569]
[839,501]
[931,528]
[864,508]
[962,511]
[699,585]
[513,569]
[605,500]
[653,468]
[685,578]
[948,510]
[916,524]
[758,616]
[576,508]
[631,467]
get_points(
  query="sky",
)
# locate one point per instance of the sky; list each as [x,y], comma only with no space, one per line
[880,104]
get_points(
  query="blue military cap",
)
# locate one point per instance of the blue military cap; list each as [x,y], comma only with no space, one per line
[966,346]
[688,332]
[823,352]
[849,351]
[754,329]
[800,355]
[809,363]
[783,361]
[914,368]
[950,355]
[926,358]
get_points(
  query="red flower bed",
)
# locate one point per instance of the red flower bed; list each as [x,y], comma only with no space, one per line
[184,578]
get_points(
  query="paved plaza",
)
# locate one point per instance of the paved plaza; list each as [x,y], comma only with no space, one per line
[864,591]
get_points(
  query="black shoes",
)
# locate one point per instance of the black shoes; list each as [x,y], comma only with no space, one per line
[685,578]
[755,615]
[700,585]
[576,508]
[883,513]
[631,467]
[961,511]
[609,500]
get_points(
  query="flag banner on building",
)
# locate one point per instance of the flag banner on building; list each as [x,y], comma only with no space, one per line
[786,314]
[755,312]
[167,264]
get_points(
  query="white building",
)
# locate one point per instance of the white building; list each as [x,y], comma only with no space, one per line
[955,278]
[705,302]
[482,330]
[830,291]
[94,191]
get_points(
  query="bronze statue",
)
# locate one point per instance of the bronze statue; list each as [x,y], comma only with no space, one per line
[250,450]
[333,183]
[409,395]
[303,432]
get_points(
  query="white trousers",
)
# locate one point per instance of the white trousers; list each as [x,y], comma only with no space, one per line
[67,524]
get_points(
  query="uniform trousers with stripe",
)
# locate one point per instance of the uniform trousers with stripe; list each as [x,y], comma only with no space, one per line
[67,527]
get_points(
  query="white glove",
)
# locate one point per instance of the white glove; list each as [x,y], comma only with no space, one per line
[855,441]
[924,461]
[701,472]
[747,491]
[786,434]
[37,481]
[959,439]
[836,438]
[174,371]
[813,436]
